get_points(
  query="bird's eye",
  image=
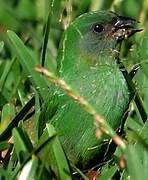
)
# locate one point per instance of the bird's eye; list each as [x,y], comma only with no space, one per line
[97,28]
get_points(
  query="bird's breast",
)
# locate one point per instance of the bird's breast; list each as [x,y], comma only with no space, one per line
[104,88]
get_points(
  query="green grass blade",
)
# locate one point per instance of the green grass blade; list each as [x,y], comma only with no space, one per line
[108,174]
[29,171]
[47,29]
[22,144]
[5,145]
[7,133]
[61,162]
[1,46]
[134,165]
[8,113]
[28,63]
[34,152]
[143,53]
[53,156]
[4,174]
[79,172]
[134,93]
[5,74]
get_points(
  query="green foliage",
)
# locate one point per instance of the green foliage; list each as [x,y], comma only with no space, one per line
[23,91]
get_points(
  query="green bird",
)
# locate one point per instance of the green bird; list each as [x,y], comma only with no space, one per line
[87,61]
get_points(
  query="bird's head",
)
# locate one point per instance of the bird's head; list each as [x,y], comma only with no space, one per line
[102,31]
[95,34]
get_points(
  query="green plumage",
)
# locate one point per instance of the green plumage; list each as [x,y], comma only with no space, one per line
[87,62]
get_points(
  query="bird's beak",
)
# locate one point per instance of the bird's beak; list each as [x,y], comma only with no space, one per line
[123,28]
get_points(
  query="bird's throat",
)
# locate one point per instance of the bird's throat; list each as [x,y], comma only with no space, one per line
[106,61]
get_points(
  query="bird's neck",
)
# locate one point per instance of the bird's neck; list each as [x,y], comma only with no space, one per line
[83,63]
[107,60]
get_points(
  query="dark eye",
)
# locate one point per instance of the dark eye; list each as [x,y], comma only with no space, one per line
[97,28]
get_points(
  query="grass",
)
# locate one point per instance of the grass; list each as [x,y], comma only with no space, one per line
[30,32]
